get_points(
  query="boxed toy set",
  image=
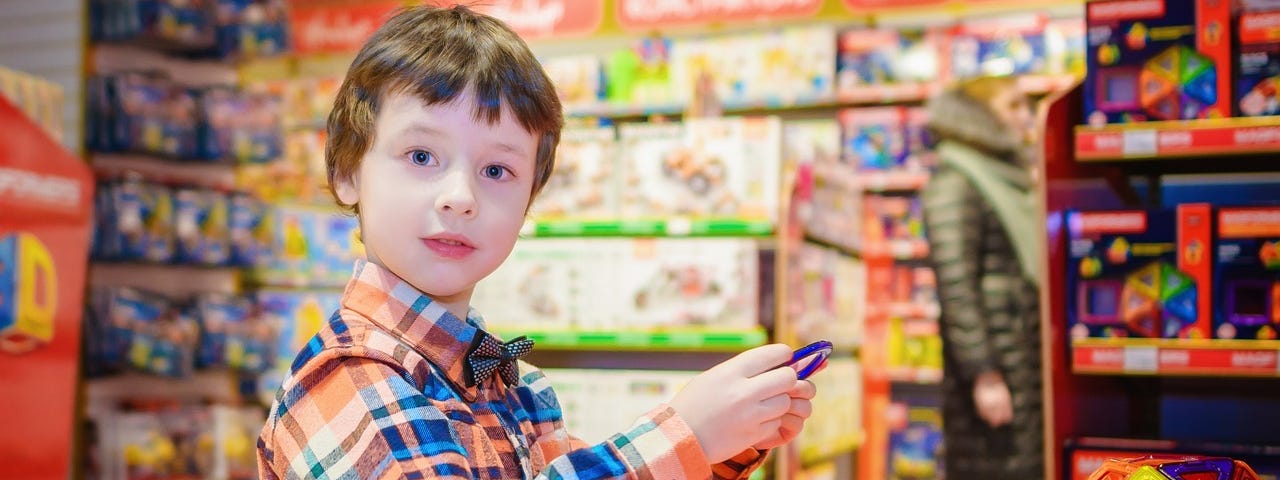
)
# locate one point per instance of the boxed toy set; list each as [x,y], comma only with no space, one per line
[1257,59]
[139,330]
[134,221]
[780,65]
[314,247]
[578,79]
[837,413]
[218,28]
[172,440]
[1137,273]
[915,438]
[1157,60]
[249,231]
[1247,273]
[826,289]
[541,285]
[200,227]
[870,58]
[722,167]
[600,403]
[1014,45]
[586,179]
[875,139]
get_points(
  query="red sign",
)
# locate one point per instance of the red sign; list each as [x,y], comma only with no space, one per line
[643,14]
[336,28]
[534,19]
[1177,360]
[45,194]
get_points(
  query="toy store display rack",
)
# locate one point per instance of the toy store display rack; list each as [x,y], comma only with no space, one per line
[1159,291]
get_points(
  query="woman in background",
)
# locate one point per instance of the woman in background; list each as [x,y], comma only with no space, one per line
[984,246]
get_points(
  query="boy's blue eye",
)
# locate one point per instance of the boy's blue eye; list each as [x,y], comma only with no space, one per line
[494,171]
[421,157]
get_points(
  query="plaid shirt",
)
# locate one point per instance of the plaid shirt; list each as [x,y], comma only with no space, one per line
[380,392]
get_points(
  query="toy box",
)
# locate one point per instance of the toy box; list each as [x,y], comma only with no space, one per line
[1137,273]
[215,313]
[313,248]
[1247,273]
[1013,45]
[598,404]
[144,331]
[892,218]
[201,226]
[1174,467]
[1157,60]
[682,283]
[1257,67]
[723,167]
[729,62]
[1065,46]
[540,286]
[296,316]
[874,138]
[796,63]
[915,438]
[837,416]
[878,57]
[250,28]
[249,225]
[578,79]
[136,222]
[241,126]
[585,182]
[27,278]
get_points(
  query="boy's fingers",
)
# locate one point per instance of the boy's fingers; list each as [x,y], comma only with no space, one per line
[775,407]
[761,359]
[803,389]
[800,408]
[778,381]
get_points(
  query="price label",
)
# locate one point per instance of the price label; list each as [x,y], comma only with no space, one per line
[1140,142]
[1141,359]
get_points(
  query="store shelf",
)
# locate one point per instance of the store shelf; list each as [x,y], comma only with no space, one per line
[172,280]
[674,340]
[866,96]
[675,227]
[913,249]
[215,385]
[199,173]
[913,375]
[1176,357]
[811,455]
[844,177]
[1155,141]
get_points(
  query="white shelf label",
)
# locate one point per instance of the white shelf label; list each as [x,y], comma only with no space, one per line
[679,227]
[1141,359]
[1140,142]
[901,249]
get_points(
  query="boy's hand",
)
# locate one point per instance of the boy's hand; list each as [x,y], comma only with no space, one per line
[739,403]
[801,394]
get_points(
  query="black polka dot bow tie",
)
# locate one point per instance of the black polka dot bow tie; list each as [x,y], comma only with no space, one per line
[488,355]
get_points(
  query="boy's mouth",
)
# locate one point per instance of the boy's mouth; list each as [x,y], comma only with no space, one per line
[449,246]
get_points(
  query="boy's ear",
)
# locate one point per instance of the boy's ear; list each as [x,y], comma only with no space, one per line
[346,189]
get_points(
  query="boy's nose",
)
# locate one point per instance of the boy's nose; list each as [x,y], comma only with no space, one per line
[457,197]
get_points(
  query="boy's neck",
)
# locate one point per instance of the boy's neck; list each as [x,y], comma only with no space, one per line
[458,304]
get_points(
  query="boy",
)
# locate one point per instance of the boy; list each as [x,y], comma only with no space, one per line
[441,135]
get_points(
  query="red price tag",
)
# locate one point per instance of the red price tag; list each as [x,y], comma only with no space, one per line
[643,14]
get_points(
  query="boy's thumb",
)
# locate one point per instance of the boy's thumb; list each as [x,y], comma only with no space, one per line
[761,359]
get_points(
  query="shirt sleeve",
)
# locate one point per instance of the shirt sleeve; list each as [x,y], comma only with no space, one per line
[658,445]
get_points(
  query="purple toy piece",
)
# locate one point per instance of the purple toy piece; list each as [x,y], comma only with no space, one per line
[1248,302]
[1222,466]
[1099,302]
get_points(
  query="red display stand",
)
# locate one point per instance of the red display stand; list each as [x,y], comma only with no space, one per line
[46,196]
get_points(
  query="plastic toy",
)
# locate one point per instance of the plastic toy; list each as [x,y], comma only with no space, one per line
[1140,273]
[1139,71]
[1174,467]
[28,293]
[1247,274]
[201,226]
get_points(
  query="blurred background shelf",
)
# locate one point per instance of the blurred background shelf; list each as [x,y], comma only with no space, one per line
[667,341]
[1176,357]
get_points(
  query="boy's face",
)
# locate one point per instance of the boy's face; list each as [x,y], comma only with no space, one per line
[441,194]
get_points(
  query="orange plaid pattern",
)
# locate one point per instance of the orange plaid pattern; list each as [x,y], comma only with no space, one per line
[380,392]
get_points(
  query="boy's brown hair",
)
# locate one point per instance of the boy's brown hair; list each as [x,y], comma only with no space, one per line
[436,54]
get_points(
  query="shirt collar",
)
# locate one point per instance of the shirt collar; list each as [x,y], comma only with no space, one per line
[404,311]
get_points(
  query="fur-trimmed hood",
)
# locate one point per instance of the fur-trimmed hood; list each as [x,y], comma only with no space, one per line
[956,117]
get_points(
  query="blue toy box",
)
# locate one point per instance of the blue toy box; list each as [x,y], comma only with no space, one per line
[201,226]
[1013,45]
[135,221]
[874,139]
[1157,60]
[250,231]
[1247,273]
[1135,273]
[296,316]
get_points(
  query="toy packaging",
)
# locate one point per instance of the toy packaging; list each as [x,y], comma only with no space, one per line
[1065,47]
[1157,60]
[641,74]
[1136,273]
[541,286]
[313,247]
[683,283]
[1013,45]
[915,438]
[825,289]
[726,167]
[201,226]
[1247,276]
[722,61]
[143,331]
[249,231]
[578,79]
[243,126]
[585,182]
[1257,67]
[874,139]
[216,314]
[1174,467]
[251,28]
[296,316]
[892,218]
[599,403]
[879,57]
[838,414]
[135,221]
[796,63]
